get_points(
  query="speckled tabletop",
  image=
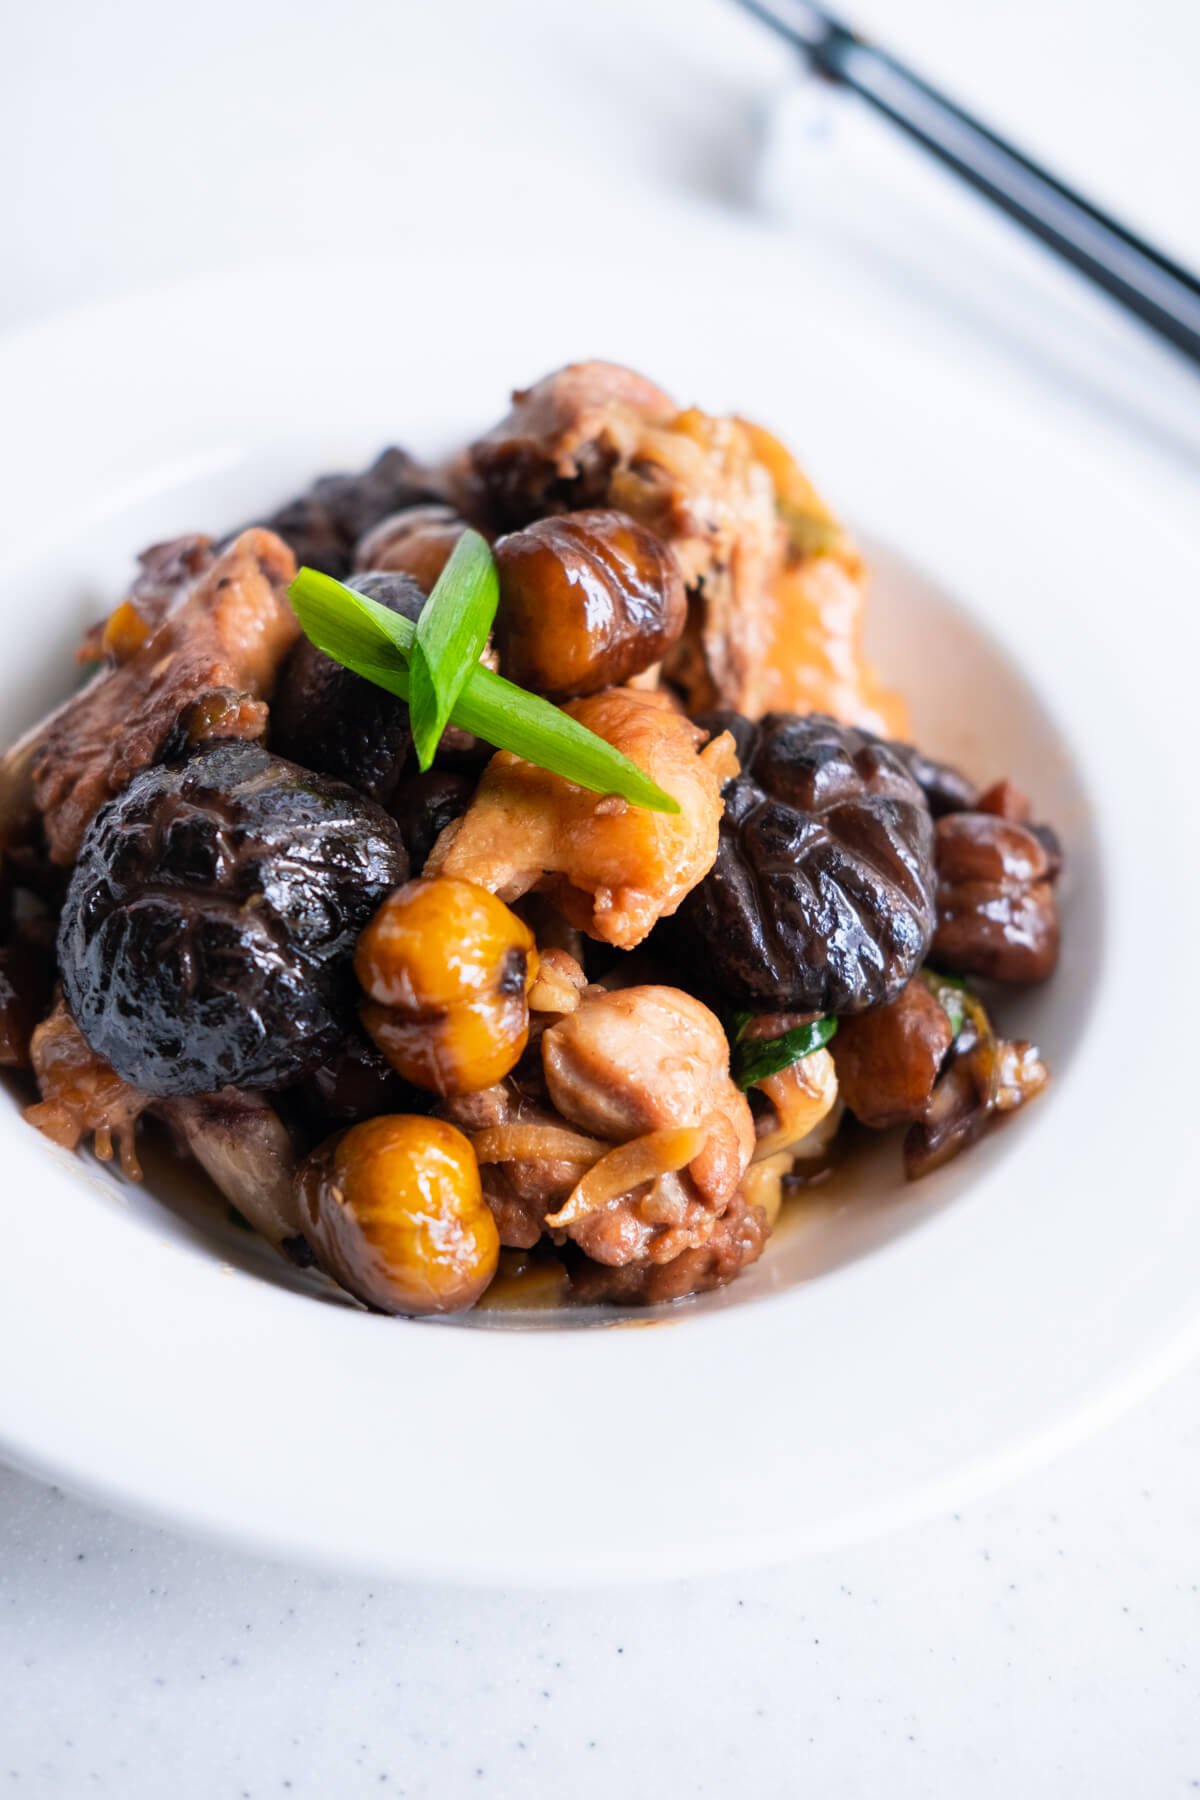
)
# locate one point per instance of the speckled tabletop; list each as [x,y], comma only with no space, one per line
[1044,1643]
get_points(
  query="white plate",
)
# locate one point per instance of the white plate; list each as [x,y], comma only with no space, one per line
[868,1369]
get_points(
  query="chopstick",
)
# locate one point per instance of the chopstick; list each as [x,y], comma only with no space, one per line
[1157,290]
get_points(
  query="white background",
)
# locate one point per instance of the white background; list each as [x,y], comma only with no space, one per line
[1045,1644]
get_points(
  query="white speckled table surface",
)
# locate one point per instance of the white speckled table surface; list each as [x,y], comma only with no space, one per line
[1044,1643]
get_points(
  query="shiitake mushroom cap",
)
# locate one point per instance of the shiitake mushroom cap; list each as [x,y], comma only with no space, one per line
[209,927]
[821,898]
[337,723]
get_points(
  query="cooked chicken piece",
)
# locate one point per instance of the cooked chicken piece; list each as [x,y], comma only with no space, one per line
[648,1069]
[610,868]
[633,1142]
[517,1137]
[814,658]
[204,672]
[813,607]
[737,1240]
[165,573]
[697,483]
[81,1095]
[776,587]
[242,1145]
[596,434]
[558,447]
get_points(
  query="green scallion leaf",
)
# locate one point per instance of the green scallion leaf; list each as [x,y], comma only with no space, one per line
[950,994]
[451,633]
[346,625]
[752,1060]
[808,533]
[514,719]
[377,644]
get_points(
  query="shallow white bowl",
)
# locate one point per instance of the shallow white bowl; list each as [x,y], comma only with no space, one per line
[891,1353]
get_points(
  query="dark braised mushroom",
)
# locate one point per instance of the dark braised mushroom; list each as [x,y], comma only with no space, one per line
[357,1082]
[984,1076]
[946,790]
[26,980]
[335,722]
[423,806]
[416,542]
[208,932]
[996,911]
[821,896]
[587,601]
[324,523]
[963,1100]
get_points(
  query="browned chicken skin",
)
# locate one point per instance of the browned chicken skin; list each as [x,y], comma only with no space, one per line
[776,586]
[640,1061]
[225,642]
[630,1140]
[612,869]
[81,1096]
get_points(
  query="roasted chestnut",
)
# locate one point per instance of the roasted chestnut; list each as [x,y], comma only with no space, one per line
[821,896]
[447,969]
[996,911]
[394,1211]
[888,1059]
[337,723]
[208,932]
[416,542]
[586,602]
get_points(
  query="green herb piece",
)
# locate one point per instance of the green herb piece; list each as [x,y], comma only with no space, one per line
[808,534]
[951,994]
[347,626]
[752,1060]
[376,643]
[512,718]
[451,633]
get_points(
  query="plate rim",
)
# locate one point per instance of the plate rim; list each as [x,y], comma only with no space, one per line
[36,353]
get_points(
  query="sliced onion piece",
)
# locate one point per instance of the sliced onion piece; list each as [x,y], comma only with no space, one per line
[535,1143]
[801,1096]
[630,1166]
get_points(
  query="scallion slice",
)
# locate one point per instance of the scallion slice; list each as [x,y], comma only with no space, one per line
[752,1060]
[377,644]
[451,633]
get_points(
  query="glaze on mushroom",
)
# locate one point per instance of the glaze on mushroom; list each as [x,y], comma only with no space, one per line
[821,896]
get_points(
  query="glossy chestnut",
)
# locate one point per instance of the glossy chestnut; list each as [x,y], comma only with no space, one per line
[587,601]
[393,1209]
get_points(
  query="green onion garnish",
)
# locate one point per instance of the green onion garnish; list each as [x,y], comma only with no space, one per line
[451,633]
[752,1060]
[950,994]
[376,643]
[808,533]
